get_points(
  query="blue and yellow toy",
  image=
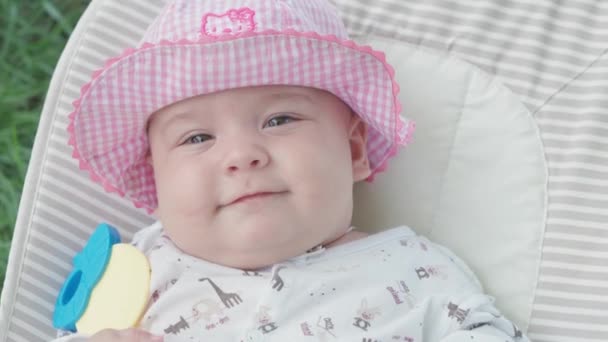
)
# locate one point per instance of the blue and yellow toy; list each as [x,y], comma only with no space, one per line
[108,287]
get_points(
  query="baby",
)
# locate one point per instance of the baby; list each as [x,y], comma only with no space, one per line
[243,126]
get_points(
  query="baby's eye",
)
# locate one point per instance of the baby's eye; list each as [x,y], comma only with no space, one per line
[279,120]
[197,139]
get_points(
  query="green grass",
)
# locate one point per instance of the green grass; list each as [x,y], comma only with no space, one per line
[32,36]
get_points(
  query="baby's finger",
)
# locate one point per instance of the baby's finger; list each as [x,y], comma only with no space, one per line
[138,335]
[106,335]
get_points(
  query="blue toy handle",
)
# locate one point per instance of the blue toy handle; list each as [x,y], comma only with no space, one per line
[89,266]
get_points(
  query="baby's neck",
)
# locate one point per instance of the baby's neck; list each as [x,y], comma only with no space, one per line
[351,235]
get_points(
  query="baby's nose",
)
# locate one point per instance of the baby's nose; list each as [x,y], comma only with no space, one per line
[239,166]
[246,158]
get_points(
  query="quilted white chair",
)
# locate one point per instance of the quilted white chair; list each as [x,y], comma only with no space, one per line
[508,167]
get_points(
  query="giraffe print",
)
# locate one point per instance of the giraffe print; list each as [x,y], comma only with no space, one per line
[277,281]
[229,299]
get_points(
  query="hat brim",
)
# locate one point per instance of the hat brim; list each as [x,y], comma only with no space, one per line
[107,127]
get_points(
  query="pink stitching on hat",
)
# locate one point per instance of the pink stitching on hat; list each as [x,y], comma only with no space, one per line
[233,22]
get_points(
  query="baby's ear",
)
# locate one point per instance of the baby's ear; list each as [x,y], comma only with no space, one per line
[148,157]
[358,148]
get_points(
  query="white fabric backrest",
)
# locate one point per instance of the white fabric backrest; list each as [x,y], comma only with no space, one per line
[474,178]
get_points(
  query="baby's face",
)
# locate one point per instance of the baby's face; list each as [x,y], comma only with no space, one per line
[252,176]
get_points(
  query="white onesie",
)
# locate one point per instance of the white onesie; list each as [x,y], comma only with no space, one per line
[391,286]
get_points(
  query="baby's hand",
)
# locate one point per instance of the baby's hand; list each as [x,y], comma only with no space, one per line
[127,335]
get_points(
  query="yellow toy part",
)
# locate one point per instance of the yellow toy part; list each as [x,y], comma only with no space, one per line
[120,297]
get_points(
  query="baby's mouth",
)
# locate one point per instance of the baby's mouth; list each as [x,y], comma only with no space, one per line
[251,196]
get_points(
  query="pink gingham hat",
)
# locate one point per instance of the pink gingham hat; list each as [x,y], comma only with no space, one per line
[202,46]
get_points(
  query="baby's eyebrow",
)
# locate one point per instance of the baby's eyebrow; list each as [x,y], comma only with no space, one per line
[179,116]
[289,96]
[175,118]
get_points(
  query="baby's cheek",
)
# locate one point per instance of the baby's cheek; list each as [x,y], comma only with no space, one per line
[179,189]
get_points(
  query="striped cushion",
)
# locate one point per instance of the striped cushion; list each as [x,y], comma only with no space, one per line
[552,54]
